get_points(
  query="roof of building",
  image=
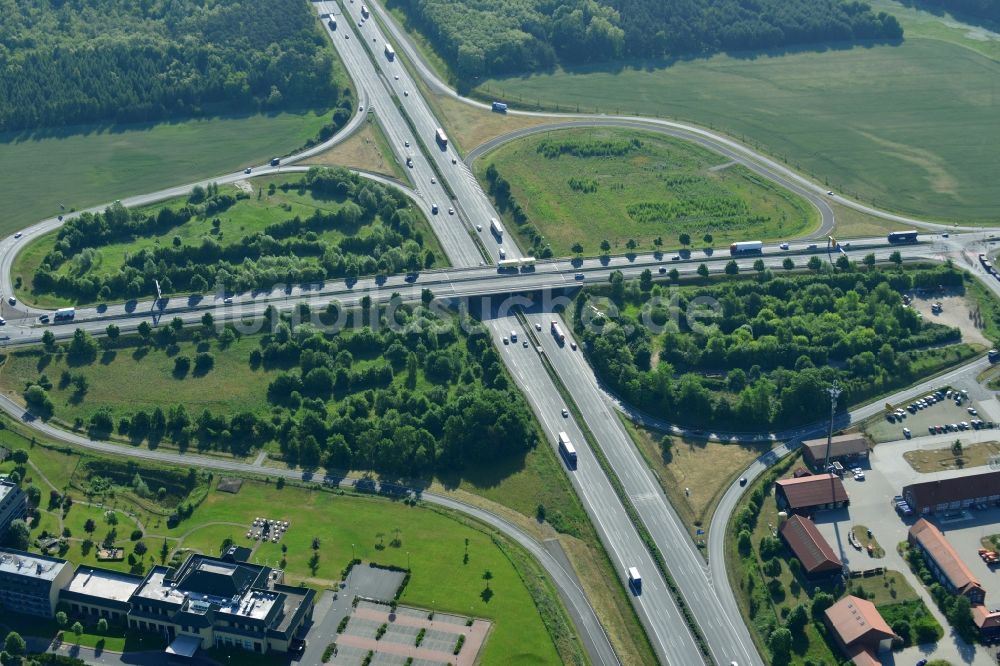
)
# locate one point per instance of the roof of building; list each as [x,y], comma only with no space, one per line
[841,445]
[237,554]
[862,656]
[813,490]
[985,618]
[215,577]
[947,560]
[29,564]
[103,583]
[7,488]
[853,619]
[955,489]
[204,585]
[809,545]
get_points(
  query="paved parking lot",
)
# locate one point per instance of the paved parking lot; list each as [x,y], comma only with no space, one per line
[940,413]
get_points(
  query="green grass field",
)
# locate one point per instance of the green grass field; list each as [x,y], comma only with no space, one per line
[85,166]
[231,386]
[910,127]
[680,187]
[246,217]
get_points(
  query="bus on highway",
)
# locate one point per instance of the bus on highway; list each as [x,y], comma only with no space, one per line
[567,451]
[441,138]
[496,228]
[65,314]
[903,236]
[507,265]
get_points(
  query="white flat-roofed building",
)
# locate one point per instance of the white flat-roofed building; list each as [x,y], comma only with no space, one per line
[100,593]
[30,583]
[209,601]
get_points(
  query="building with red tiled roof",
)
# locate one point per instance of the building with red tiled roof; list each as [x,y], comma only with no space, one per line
[952,494]
[944,562]
[988,622]
[859,629]
[809,546]
[811,493]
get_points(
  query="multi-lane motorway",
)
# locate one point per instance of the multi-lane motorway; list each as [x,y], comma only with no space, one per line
[440,177]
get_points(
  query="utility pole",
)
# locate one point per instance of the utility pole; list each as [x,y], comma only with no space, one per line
[834,392]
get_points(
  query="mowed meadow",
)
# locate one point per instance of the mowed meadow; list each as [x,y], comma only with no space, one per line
[912,127]
[81,167]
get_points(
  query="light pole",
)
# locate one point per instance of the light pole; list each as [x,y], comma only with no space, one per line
[834,392]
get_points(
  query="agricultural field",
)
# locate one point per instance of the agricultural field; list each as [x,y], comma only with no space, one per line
[254,234]
[91,165]
[590,185]
[907,128]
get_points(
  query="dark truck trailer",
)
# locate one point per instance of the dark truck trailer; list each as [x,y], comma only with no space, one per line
[902,236]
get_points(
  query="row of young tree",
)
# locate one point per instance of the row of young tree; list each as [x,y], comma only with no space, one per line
[378,223]
[65,63]
[404,401]
[770,350]
[496,37]
[506,202]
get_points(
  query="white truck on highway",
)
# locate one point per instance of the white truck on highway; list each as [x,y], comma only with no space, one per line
[390,53]
[496,228]
[557,332]
[634,581]
[746,247]
[567,451]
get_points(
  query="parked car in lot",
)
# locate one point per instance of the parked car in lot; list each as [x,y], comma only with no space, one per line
[906,433]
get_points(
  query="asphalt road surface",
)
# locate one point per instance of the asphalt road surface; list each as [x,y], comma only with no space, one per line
[387,90]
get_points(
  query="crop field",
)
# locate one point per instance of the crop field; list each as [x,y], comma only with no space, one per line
[910,127]
[590,185]
[81,167]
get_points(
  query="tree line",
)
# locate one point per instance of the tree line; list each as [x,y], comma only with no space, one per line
[407,401]
[767,356]
[379,223]
[69,62]
[498,37]
[986,10]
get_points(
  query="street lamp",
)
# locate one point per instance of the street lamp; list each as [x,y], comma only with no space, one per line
[834,392]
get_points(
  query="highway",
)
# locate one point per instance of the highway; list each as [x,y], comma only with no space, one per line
[384,87]
[405,45]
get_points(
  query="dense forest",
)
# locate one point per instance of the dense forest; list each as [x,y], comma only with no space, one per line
[429,393]
[988,10]
[496,37]
[378,221]
[75,61]
[775,346]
